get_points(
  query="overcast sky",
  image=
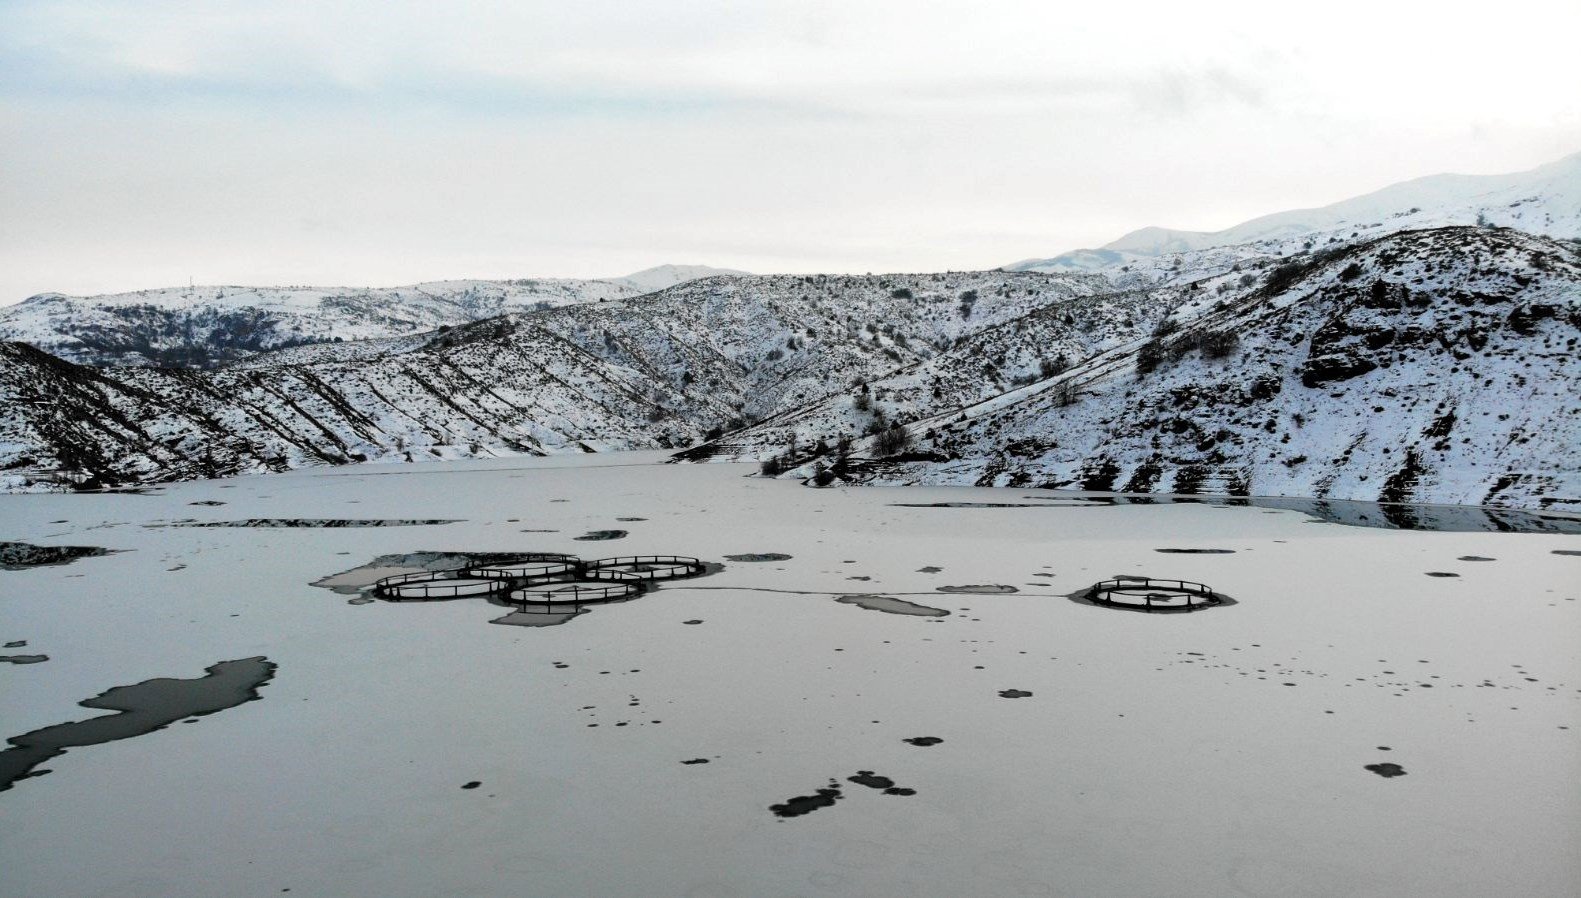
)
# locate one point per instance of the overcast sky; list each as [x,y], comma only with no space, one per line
[380,143]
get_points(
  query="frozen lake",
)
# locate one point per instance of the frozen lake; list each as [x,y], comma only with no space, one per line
[889,691]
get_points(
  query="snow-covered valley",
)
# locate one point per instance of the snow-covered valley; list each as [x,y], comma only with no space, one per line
[1380,712]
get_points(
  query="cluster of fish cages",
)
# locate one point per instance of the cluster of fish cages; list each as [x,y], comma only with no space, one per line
[1148,594]
[542,578]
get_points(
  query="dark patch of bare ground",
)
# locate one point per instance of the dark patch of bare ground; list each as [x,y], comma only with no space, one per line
[923,741]
[1442,574]
[1576,552]
[21,556]
[143,708]
[759,556]
[1196,551]
[1387,769]
[982,589]
[24,659]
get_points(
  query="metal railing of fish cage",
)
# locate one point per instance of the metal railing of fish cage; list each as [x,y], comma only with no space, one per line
[1148,590]
[527,568]
[571,592]
[642,567]
[429,585]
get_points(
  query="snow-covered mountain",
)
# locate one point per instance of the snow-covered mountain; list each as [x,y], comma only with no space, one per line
[661,277]
[1430,366]
[660,370]
[1545,200]
[205,326]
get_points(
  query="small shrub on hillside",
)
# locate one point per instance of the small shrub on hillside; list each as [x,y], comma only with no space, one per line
[1149,357]
[891,441]
[1218,344]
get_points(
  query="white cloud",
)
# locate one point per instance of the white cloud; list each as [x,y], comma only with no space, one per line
[384,142]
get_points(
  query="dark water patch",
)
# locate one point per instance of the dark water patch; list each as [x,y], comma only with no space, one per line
[360,600]
[143,708]
[972,505]
[16,644]
[1344,512]
[692,622]
[540,531]
[313,523]
[983,589]
[1196,551]
[210,502]
[1475,558]
[472,785]
[930,569]
[872,780]
[21,556]
[1441,574]
[24,659]
[1576,552]
[597,535]
[759,556]
[899,790]
[354,581]
[1014,693]
[806,804]
[696,761]
[548,617]
[923,741]
[891,605]
[630,520]
[1387,769]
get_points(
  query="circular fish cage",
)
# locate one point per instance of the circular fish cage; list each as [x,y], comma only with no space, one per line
[1149,594]
[527,568]
[431,585]
[647,568]
[574,592]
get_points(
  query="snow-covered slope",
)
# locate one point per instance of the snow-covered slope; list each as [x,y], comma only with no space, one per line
[1545,200]
[204,326]
[655,371]
[1428,366]
[662,276]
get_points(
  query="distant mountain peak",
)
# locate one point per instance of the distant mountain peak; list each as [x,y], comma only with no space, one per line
[1545,200]
[661,277]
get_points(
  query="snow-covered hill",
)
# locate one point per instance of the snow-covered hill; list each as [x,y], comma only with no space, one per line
[1430,366]
[661,277]
[204,326]
[654,371]
[1545,200]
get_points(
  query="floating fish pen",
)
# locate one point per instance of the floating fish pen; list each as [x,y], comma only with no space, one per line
[429,585]
[542,578]
[528,567]
[574,592]
[1148,594]
[643,567]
